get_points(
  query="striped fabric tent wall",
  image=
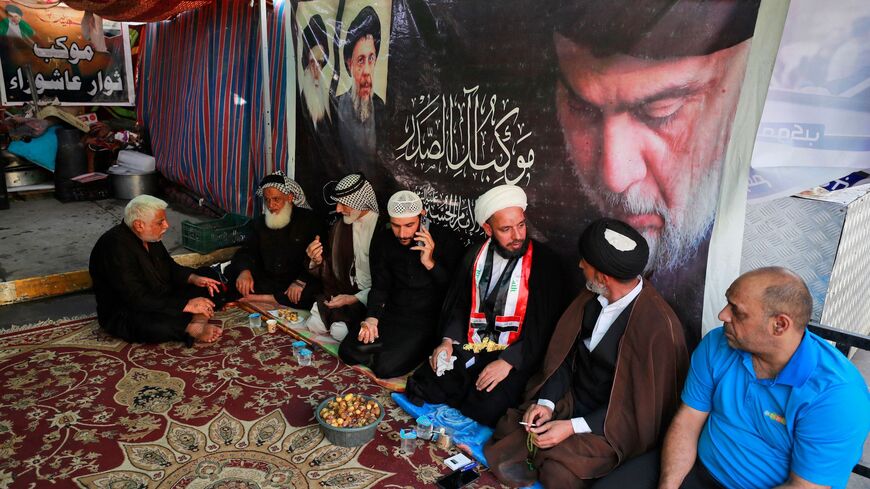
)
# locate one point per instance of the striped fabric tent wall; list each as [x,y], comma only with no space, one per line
[200,97]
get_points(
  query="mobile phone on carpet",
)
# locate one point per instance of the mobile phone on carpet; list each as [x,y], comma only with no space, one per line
[457,479]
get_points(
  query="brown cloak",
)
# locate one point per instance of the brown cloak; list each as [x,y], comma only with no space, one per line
[650,369]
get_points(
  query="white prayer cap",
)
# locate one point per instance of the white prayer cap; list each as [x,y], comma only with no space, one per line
[496,199]
[404,203]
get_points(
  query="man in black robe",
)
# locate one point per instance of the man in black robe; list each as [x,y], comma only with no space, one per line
[411,264]
[270,266]
[143,295]
[360,111]
[611,376]
[497,318]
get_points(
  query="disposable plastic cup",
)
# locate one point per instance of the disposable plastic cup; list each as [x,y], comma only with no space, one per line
[297,346]
[272,325]
[304,357]
[408,439]
[254,320]
[424,428]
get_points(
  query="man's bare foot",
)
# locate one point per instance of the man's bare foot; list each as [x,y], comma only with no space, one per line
[204,332]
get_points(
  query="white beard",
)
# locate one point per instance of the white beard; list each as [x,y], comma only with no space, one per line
[362,108]
[316,95]
[596,288]
[353,217]
[683,229]
[281,219]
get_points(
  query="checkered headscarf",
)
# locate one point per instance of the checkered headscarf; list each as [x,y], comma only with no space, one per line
[285,185]
[356,192]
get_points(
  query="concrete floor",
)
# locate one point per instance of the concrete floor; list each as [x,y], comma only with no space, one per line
[42,236]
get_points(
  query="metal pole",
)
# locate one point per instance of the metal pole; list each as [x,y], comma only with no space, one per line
[267,93]
[290,76]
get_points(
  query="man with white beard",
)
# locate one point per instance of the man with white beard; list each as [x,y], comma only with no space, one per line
[359,108]
[344,267]
[315,87]
[270,266]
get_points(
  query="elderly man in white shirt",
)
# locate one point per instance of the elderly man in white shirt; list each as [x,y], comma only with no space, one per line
[344,268]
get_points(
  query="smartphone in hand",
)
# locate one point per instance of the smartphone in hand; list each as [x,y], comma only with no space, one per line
[424,224]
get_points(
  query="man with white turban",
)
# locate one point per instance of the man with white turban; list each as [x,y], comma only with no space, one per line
[412,263]
[342,263]
[497,317]
[610,380]
[270,266]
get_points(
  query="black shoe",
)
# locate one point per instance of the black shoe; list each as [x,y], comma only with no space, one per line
[517,474]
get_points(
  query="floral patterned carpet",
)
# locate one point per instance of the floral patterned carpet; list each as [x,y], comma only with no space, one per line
[81,409]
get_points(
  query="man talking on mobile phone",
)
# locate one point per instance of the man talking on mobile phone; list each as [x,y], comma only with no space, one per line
[411,269]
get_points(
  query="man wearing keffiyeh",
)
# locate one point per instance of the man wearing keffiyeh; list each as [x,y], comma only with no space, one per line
[270,266]
[342,263]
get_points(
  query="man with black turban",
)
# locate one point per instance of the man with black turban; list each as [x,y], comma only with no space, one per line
[611,378]
[645,97]
[360,109]
[314,84]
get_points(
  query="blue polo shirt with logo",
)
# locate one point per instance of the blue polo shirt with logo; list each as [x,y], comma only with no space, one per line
[811,419]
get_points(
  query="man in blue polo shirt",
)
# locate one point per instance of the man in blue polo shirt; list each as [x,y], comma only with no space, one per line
[766,402]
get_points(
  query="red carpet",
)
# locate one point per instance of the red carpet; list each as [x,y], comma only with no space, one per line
[81,409]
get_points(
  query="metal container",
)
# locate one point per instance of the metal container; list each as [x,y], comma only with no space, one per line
[127,184]
[23,175]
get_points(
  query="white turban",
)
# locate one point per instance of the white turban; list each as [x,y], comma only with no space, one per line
[404,203]
[496,199]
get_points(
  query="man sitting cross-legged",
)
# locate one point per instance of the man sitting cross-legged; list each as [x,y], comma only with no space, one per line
[143,295]
[411,269]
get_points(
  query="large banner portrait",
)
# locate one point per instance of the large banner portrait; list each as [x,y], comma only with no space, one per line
[342,50]
[620,109]
[63,54]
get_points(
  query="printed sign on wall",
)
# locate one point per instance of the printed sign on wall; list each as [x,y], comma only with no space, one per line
[64,54]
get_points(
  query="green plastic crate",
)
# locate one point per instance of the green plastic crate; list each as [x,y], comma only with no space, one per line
[207,236]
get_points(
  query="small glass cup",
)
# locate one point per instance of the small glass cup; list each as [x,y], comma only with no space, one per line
[444,440]
[408,439]
[297,346]
[304,357]
[424,428]
[254,320]
[271,325]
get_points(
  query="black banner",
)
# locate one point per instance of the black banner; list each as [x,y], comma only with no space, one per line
[614,109]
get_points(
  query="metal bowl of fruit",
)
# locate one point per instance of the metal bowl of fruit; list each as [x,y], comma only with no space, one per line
[349,420]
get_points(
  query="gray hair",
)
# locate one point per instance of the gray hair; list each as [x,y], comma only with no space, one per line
[785,293]
[143,208]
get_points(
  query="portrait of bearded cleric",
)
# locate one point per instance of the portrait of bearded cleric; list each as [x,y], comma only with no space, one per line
[645,95]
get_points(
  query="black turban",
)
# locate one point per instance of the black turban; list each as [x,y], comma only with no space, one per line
[656,29]
[614,248]
[313,35]
[365,23]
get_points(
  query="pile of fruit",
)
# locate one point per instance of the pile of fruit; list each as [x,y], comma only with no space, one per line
[350,411]
[288,314]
